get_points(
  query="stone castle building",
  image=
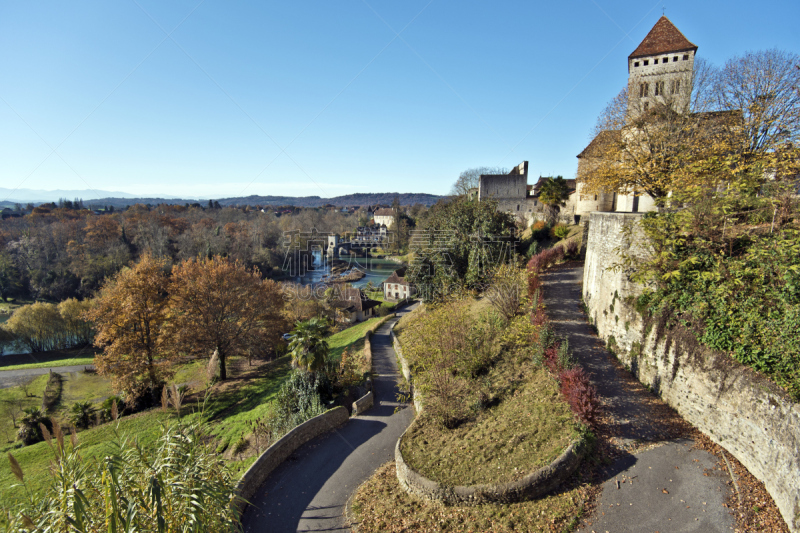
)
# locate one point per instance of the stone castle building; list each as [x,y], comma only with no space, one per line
[514,196]
[660,70]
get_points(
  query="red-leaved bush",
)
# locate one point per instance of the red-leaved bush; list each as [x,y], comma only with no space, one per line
[572,248]
[550,358]
[580,394]
[534,283]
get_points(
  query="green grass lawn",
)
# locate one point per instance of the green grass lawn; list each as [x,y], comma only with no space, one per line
[8,400]
[229,409]
[82,387]
[65,361]
[351,338]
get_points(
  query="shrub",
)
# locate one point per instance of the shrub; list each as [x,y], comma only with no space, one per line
[52,391]
[539,230]
[579,393]
[80,414]
[107,407]
[533,249]
[298,400]
[559,231]
[572,248]
[178,485]
[30,430]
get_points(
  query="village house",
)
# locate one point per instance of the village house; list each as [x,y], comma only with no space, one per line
[384,216]
[355,305]
[396,287]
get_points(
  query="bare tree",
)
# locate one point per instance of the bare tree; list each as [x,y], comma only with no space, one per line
[704,78]
[14,409]
[469,179]
[763,85]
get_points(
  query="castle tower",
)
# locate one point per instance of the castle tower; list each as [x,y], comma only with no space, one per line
[660,70]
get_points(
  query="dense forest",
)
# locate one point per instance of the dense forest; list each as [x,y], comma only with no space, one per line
[55,253]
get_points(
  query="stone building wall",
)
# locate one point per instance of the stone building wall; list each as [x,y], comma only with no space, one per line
[667,68]
[740,410]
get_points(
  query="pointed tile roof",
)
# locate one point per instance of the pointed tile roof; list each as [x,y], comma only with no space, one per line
[664,38]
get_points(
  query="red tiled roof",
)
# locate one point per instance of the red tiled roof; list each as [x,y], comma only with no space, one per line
[663,38]
[398,277]
[595,147]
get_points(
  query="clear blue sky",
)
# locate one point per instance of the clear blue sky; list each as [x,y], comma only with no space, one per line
[218,99]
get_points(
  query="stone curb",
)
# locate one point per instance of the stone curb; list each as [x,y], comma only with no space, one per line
[362,404]
[532,486]
[284,447]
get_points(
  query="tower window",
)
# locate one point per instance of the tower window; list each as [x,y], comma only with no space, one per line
[646,62]
[659,88]
[665,60]
[676,86]
[685,57]
[636,64]
[643,90]
[655,61]
[674,59]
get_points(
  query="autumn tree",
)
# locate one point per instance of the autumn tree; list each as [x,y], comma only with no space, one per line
[37,326]
[742,126]
[129,314]
[217,304]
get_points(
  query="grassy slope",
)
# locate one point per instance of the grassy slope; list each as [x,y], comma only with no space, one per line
[351,338]
[229,410]
[526,430]
[7,430]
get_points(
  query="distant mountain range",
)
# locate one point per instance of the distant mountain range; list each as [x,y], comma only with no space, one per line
[9,197]
[37,196]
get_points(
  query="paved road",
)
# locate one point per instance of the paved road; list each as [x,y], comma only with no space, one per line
[309,491]
[11,378]
[669,487]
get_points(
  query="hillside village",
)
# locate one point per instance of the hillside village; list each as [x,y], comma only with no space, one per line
[513,358]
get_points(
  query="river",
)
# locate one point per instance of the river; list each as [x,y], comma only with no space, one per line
[375,270]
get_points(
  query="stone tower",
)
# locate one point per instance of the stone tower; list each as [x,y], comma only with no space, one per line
[660,70]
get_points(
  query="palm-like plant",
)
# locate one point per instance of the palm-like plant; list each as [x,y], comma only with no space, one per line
[80,414]
[31,423]
[308,346]
[554,193]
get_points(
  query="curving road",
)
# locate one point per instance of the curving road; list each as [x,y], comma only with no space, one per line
[12,378]
[309,491]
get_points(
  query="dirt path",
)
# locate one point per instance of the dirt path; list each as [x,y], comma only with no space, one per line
[309,491]
[657,480]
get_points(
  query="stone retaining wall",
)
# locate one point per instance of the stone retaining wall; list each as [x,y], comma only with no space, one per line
[285,446]
[737,408]
[406,369]
[362,404]
[534,485]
